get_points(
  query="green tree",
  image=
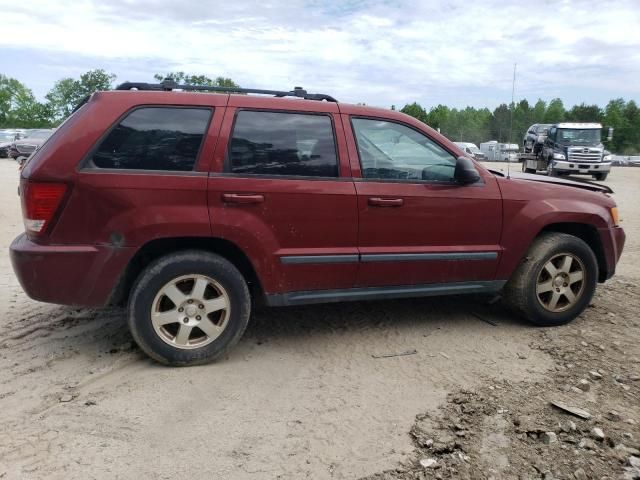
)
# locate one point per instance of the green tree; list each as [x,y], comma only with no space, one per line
[67,93]
[522,119]
[631,136]
[437,118]
[614,118]
[416,111]
[500,123]
[555,111]
[19,107]
[584,113]
[539,109]
[200,80]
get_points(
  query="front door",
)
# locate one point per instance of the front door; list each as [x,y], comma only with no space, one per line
[417,225]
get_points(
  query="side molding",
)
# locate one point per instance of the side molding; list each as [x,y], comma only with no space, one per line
[387,257]
[382,293]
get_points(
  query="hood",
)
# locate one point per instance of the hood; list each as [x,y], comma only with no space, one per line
[577,183]
[5,144]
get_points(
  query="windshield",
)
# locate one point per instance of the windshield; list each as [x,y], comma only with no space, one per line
[582,136]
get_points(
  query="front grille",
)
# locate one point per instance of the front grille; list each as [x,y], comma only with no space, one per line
[25,148]
[584,154]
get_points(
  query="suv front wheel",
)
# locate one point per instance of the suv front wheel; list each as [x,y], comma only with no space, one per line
[188,308]
[555,281]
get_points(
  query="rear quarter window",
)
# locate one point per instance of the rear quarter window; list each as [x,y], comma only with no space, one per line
[154,138]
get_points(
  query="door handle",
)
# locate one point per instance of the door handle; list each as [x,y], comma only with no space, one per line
[242,198]
[386,202]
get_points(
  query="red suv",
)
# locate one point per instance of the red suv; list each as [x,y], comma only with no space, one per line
[190,207]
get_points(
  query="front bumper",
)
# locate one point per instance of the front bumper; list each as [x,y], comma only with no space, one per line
[612,240]
[587,167]
[83,275]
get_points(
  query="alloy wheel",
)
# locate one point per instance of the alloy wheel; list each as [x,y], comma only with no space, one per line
[190,311]
[561,282]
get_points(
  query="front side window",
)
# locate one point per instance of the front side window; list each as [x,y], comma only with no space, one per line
[391,150]
[154,138]
[279,143]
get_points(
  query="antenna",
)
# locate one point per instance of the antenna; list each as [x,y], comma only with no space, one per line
[513,106]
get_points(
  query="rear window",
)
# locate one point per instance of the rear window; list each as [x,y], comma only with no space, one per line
[279,143]
[154,138]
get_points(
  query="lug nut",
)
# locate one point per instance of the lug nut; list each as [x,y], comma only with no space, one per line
[200,306]
[181,309]
[189,301]
[185,320]
[198,317]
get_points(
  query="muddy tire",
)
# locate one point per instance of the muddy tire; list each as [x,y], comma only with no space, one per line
[601,177]
[188,308]
[555,281]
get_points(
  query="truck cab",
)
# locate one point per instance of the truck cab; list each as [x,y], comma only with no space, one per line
[576,148]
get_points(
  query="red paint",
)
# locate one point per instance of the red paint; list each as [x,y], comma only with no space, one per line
[107,216]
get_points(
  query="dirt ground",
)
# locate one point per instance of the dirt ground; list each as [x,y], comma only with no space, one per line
[302,395]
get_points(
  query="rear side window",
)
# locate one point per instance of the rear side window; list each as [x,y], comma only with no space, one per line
[278,143]
[154,138]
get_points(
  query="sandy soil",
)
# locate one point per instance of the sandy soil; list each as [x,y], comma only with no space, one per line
[302,394]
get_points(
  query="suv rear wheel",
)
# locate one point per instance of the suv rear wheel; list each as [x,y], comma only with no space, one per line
[188,308]
[555,281]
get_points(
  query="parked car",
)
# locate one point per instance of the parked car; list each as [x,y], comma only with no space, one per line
[471,149]
[26,145]
[6,139]
[190,208]
[534,138]
[619,161]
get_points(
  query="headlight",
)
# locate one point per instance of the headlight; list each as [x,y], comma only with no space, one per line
[607,158]
[558,156]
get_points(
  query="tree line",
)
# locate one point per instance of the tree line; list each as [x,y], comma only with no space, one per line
[481,125]
[19,108]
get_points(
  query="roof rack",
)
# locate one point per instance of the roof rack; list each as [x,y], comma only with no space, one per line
[168,84]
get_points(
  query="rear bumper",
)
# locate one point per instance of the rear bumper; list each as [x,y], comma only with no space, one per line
[612,242]
[83,275]
[575,167]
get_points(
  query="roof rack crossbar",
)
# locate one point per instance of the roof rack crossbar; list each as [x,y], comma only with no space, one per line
[169,84]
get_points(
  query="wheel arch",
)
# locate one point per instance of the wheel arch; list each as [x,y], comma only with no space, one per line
[163,246]
[588,234]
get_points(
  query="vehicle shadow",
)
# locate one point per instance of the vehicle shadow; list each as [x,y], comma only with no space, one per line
[63,332]
[399,314]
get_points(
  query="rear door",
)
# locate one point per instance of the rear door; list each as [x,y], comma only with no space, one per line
[417,225]
[281,190]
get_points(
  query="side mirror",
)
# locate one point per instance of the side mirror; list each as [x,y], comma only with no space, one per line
[465,172]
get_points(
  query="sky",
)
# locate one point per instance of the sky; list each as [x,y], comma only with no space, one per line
[379,52]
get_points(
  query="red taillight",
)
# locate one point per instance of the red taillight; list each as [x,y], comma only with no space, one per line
[40,202]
